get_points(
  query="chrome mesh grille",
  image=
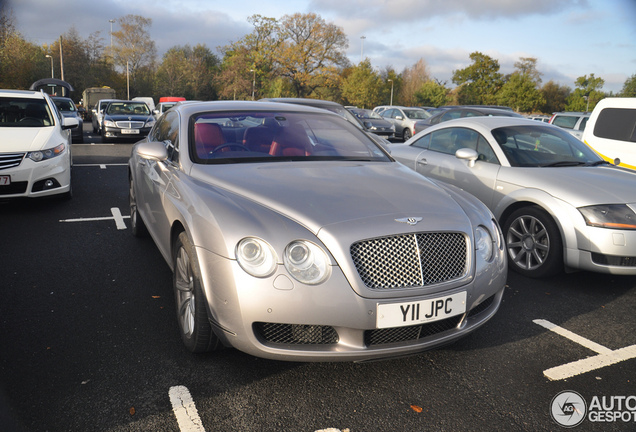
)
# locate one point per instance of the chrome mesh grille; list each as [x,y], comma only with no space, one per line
[411,260]
[10,160]
[130,124]
[296,334]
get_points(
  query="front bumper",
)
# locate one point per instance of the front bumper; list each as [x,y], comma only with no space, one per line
[604,251]
[279,318]
[37,179]
[121,133]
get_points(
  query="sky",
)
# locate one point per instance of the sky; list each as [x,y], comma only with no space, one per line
[569,38]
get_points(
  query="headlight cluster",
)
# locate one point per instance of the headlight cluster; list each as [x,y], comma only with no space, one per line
[615,216]
[305,261]
[109,123]
[485,245]
[38,156]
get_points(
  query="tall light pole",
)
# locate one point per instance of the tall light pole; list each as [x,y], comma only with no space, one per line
[391,103]
[52,72]
[111,21]
[253,81]
[362,48]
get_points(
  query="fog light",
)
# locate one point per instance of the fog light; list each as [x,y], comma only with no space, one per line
[48,184]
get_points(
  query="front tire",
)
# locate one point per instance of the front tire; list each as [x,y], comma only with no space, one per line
[196,331]
[534,244]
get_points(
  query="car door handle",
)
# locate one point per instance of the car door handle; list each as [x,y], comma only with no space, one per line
[422,161]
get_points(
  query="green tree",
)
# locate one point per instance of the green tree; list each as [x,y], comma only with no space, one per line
[234,80]
[520,91]
[586,94]
[555,97]
[362,87]
[478,83]
[311,53]
[432,93]
[172,75]
[629,87]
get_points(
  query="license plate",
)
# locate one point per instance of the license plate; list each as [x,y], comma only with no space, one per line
[130,131]
[5,180]
[412,313]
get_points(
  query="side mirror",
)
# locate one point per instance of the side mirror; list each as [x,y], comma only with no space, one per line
[153,150]
[70,123]
[467,154]
[399,118]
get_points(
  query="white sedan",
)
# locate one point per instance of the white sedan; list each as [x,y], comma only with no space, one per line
[35,149]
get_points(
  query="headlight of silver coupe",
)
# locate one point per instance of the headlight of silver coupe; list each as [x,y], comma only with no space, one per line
[306,262]
[614,216]
[256,257]
[484,243]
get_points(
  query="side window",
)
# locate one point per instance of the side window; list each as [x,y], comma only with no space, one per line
[486,153]
[423,142]
[616,124]
[166,131]
[450,115]
[441,141]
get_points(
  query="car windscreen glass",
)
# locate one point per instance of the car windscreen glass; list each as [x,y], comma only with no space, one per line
[127,108]
[64,104]
[541,146]
[416,114]
[24,112]
[255,136]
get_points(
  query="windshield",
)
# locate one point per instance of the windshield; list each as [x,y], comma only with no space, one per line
[255,136]
[542,146]
[127,108]
[24,112]
[64,104]
[366,114]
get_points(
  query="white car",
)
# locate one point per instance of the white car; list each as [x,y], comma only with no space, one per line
[35,154]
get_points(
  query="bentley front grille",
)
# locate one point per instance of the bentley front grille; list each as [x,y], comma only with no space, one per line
[411,260]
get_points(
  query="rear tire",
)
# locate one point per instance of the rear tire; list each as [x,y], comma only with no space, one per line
[192,316]
[406,134]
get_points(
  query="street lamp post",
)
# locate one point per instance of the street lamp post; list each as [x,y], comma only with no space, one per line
[391,103]
[253,81]
[52,71]
[362,48]
[111,21]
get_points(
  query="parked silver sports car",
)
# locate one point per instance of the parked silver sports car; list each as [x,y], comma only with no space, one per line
[560,205]
[293,236]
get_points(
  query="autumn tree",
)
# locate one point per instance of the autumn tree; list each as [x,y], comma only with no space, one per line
[478,83]
[412,80]
[134,50]
[234,81]
[555,97]
[311,52]
[586,94]
[362,87]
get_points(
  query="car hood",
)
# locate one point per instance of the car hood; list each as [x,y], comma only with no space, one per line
[321,194]
[580,186]
[24,139]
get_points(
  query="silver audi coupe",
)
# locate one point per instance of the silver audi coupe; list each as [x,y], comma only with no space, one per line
[292,235]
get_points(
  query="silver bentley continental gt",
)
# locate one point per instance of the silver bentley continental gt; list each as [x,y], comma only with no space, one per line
[293,236]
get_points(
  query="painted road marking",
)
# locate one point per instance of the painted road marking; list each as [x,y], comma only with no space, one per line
[604,358]
[116,216]
[184,410]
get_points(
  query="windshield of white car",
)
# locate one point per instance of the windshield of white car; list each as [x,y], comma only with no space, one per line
[127,108]
[543,146]
[255,136]
[24,112]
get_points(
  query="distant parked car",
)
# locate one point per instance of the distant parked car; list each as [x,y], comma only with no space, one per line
[374,122]
[561,206]
[404,119]
[68,109]
[573,122]
[460,112]
[611,130]
[35,146]
[126,119]
[540,117]
[293,236]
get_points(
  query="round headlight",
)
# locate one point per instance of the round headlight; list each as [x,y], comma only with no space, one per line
[306,262]
[256,257]
[484,243]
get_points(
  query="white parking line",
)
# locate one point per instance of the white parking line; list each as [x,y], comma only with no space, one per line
[604,358]
[184,410]
[116,216]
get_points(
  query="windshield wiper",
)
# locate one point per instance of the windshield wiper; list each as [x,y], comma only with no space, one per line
[597,163]
[563,164]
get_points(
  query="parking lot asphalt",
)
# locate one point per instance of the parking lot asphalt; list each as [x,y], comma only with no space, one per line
[90,342]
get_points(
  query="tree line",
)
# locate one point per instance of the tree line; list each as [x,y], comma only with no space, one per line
[298,55]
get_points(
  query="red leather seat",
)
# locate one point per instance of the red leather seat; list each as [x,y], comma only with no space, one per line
[291,141]
[207,137]
[259,138]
